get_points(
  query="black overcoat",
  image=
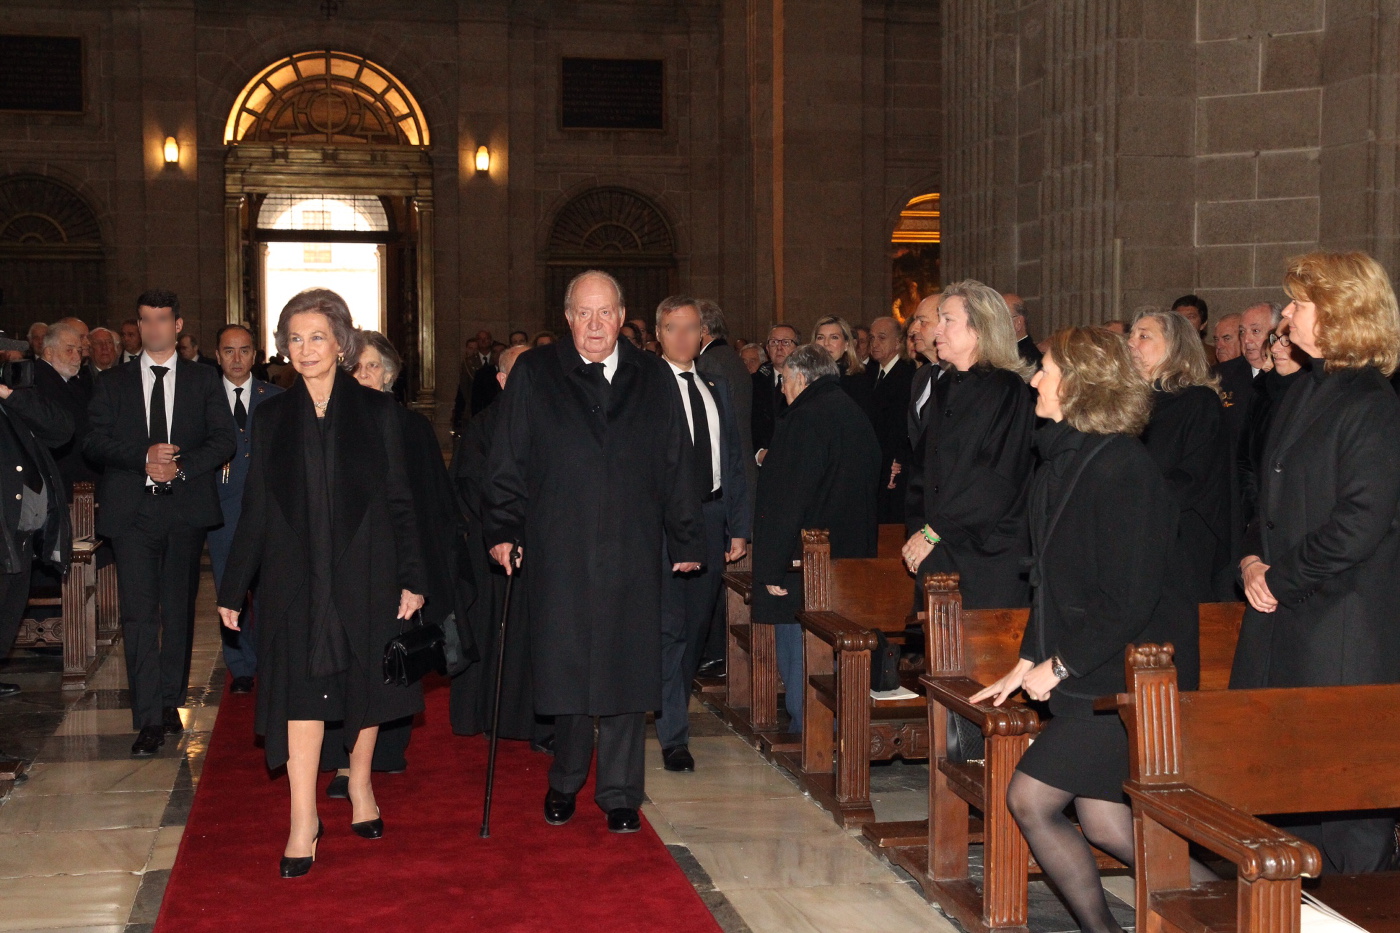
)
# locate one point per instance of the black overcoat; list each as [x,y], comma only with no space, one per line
[1190,444]
[1268,391]
[376,548]
[820,473]
[590,490]
[1108,573]
[969,482]
[1327,527]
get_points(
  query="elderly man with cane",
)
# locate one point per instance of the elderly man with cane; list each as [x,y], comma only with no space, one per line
[581,419]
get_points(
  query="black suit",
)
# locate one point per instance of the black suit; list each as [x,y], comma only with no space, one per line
[1329,499]
[158,538]
[1236,393]
[73,395]
[888,408]
[31,426]
[1028,350]
[768,403]
[917,418]
[485,387]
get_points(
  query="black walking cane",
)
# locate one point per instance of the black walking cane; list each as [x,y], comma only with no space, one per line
[496,705]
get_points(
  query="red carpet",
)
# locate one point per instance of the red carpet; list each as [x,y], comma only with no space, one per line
[431,871]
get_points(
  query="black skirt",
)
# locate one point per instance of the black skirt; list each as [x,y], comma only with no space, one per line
[1083,753]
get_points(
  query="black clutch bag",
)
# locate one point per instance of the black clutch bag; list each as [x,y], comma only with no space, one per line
[413,652]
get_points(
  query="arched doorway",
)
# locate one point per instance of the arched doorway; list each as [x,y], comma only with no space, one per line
[620,232]
[915,246]
[328,159]
[50,254]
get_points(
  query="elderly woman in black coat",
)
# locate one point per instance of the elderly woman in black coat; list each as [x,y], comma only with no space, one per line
[1321,569]
[821,472]
[1103,531]
[966,510]
[1190,443]
[328,527]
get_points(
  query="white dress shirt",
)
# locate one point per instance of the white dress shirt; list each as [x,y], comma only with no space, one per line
[247,388]
[610,364]
[711,416]
[148,382]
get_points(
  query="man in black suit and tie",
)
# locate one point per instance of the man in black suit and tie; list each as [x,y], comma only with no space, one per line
[768,399]
[1237,375]
[56,378]
[161,428]
[921,328]
[721,487]
[891,378]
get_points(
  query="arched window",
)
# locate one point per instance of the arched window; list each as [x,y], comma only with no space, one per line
[620,232]
[326,98]
[50,253]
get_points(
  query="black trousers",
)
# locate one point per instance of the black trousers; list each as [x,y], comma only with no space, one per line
[621,758]
[157,576]
[687,614]
[14,593]
[1349,846]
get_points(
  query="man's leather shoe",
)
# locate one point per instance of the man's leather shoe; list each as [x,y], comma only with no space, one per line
[712,668]
[624,820]
[339,788]
[148,741]
[558,807]
[170,719]
[544,746]
[8,690]
[241,685]
[678,758]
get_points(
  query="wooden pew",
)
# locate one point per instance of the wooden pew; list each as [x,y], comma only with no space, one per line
[1204,763]
[845,603]
[749,701]
[75,628]
[965,650]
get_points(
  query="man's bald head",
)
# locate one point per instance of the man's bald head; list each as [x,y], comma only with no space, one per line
[1017,305]
[508,358]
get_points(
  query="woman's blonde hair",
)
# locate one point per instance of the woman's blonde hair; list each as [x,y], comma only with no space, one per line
[990,319]
[1184,363]
[853,364]
[1357,320]
[1101,391]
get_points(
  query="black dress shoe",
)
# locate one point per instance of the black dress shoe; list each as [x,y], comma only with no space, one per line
[241,685]
[339,788]
[624,820]
[369,829]
[170,720]
[558,807]
[8,690]
[678,758]
[148,741]
[713,668]
[544,746]
[296,867]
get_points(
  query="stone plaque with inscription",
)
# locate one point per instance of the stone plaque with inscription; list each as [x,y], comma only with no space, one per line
[613,94]
[41,74]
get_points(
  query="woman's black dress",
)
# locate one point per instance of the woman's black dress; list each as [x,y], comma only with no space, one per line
[859,386]
[1106,574]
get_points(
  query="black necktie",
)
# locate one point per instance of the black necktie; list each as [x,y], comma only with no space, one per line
[240,413]
[29,470]
[879,377]
[600,377]
[159,430]
[704,466]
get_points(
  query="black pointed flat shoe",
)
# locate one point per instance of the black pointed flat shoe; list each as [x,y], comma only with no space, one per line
[296,867]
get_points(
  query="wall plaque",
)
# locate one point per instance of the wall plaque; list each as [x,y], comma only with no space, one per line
[613,94]
[41,74]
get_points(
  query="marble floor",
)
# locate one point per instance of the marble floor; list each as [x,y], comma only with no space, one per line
[88,835]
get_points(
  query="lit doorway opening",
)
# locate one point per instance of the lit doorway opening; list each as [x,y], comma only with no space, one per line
[334,247]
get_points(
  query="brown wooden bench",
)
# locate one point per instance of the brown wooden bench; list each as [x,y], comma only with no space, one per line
[78,600]
[965,650]
[845,603]
[749,701]
[1206,762]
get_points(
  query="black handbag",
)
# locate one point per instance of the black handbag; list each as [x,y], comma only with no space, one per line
[413,652]
[884,664]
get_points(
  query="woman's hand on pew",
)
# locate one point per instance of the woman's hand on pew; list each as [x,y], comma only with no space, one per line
[776,590]
[1256,586]
[1008,685]
[229,617]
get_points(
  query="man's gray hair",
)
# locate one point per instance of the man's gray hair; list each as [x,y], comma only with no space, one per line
[57,332]
[898,327]
[569,291]
[103,330]
[675,303]
[712,318]
[811,362]
[1275,314]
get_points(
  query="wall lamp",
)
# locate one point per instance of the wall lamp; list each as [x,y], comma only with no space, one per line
[172,150]
[483,159]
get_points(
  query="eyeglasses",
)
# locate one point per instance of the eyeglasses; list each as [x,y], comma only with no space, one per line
[784,342]
[1280,338]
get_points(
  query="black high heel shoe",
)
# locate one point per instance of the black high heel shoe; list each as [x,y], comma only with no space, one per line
[296,867]
[369,829]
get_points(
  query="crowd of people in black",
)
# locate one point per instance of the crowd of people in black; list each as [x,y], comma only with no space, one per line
[1110,477]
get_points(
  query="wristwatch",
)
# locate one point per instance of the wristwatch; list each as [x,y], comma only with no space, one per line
[1057,667]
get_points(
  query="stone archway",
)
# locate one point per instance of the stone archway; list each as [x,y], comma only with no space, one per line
[616,230]
[51,258]
[327,123]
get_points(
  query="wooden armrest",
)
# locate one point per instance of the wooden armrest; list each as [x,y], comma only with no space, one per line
[1258,850]
[1112,703]
[954,693]
[837,631]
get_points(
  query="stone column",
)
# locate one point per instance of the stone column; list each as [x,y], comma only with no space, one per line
[427,348]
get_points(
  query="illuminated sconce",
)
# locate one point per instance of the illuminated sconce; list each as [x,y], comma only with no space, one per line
[483,159]
[172,150]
